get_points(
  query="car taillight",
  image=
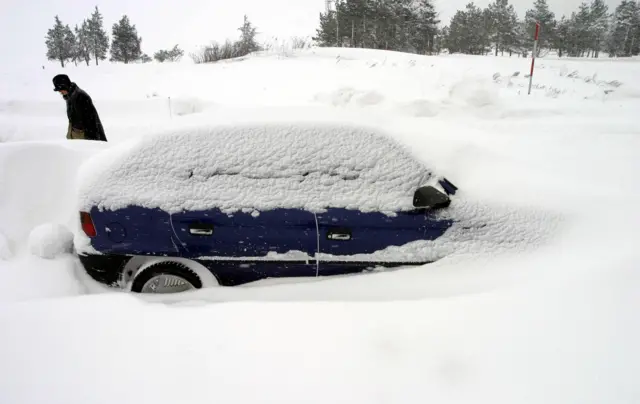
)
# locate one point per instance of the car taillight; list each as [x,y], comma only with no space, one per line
[87,224]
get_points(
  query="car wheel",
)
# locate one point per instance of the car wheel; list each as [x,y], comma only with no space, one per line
[166,277]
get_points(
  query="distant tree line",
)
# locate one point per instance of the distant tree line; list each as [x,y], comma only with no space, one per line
[402,25]
[413,26]
[90,42]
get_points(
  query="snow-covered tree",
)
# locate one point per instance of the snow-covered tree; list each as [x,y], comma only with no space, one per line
[624,38]
[580,31]
[468,32]
[71,44]
[599,20]
[504,25]
[98,41]
[457,33]
[547,20]
[125,46]
[562,39]
[83,42]
[248,34]
[404,25]
[76,54]
[425,27]
[326,33]
[60,42]
[172,55]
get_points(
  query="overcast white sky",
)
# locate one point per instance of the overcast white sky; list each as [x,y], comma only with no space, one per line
[190,23]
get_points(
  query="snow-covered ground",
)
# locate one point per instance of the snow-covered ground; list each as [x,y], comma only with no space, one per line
[550,318]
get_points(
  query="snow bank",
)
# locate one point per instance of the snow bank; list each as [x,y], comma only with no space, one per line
[559,341]
[50,240]
[186,106]
[27,277]
[37,184]
[258,167]
[473,92]
[5,250]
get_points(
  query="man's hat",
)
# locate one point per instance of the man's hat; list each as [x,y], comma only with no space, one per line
[61,82]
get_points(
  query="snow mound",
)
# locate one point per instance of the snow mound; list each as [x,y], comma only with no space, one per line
[37,183]
[308,166]
[474,92]
[50,240]
[187,106]
[420,108]
[5,251]
[347,96]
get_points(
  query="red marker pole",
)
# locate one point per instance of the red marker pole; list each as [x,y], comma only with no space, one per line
[533,55]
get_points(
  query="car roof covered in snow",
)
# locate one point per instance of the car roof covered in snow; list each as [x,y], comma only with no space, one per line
[255,167]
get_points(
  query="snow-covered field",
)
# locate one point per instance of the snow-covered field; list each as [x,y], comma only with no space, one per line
[542,308]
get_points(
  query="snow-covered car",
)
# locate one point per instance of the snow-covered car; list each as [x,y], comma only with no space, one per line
[229,205]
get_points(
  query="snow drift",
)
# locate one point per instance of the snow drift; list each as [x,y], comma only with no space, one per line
[50,240]
[38,184]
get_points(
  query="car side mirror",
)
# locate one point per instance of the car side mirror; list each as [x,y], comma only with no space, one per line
[430,198]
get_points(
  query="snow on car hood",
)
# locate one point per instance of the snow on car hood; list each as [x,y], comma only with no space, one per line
[255,167]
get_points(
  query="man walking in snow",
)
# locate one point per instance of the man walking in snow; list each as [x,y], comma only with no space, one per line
[84,122]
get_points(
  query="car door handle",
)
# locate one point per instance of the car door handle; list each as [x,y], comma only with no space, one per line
[342,235]
[201,229]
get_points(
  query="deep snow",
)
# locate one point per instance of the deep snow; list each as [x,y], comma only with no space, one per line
[542,307]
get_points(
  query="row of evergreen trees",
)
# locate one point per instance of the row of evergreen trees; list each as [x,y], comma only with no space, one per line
[90,42]
[401,25]
[413,26]
[87,42]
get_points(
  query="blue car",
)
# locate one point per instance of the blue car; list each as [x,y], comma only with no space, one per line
[216,205]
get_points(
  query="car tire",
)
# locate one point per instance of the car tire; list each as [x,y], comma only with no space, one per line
[177,276]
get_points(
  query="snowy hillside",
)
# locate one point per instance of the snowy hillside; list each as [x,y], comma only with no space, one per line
[541,307]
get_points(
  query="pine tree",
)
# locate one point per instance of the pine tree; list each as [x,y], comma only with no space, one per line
[326,33]
[546,18]
[83,42]
[599,19]
[458,33]
[562,40]
[522,40]
[477,38]
[488,25]
[504,25]
[72,37]
[98,40]
[511,31]
[468,32]
[580,31]
[624,37]
[438,40]
[248,34]
[60,45]
[423,32]
[125,46]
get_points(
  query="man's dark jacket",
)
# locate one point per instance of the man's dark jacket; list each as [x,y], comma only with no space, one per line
[83,115]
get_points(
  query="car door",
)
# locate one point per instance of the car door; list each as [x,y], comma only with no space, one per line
[268,237]
[347,233]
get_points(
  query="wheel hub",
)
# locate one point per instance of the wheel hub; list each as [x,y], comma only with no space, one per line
[165,283]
